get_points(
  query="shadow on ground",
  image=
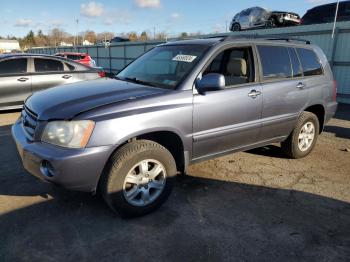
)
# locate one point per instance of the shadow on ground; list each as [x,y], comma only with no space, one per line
[203,220]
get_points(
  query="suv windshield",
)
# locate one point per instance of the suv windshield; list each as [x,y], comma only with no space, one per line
[164,66]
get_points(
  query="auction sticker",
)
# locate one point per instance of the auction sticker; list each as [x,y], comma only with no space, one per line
[185,58]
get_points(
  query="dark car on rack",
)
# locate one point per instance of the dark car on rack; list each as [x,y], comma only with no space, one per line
[258,17]
[326,13]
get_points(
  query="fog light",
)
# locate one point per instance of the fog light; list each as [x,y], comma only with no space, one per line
[47,169]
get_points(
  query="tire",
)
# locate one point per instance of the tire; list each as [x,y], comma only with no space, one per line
[131,199]
[299,143]
[236,27]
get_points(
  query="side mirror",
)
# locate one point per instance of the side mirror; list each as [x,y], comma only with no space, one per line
[211,82]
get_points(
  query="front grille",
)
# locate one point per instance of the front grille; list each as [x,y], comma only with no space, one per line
[29,122]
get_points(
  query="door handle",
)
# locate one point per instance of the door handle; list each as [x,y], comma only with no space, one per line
[66,76]
[254,94]
[22,79]
[301,85]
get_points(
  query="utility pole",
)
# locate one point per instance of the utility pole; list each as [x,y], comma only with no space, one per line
[335,19]
[226,25]
[154,33]
[77,40]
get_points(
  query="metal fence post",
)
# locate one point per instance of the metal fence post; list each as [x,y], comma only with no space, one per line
[124,45]
[97,56]
[110,59]
[334,46]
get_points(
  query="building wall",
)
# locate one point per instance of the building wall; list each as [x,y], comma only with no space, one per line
[336,48]
[9,46]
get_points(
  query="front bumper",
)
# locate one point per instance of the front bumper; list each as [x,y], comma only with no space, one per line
[76,169]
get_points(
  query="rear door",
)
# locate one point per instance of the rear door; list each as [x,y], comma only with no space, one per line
[50,72]
[15,82]
[285,91]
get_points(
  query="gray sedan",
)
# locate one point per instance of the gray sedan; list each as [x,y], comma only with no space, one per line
[23,74]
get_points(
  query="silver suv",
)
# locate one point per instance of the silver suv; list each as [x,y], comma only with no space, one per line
[180,103]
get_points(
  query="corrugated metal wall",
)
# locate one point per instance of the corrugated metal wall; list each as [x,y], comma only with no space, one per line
[337,50]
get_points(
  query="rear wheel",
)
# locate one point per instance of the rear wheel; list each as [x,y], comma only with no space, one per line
[236,27]
[304,136]
[138,178]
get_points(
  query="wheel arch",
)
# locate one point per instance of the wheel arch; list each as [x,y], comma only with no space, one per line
[170,139]
[319,111]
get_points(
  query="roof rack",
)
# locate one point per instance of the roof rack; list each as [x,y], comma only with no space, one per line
[256,36]
[291,39]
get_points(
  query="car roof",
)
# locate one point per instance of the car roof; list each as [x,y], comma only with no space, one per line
[25,55]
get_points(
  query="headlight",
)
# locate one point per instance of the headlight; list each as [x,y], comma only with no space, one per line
[74,134]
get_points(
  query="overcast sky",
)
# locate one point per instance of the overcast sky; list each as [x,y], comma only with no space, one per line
[172,16]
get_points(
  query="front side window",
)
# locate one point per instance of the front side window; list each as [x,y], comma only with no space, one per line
[13,66]
[47,65]
[164,66]
[309,62]
[275,62]
[236,64]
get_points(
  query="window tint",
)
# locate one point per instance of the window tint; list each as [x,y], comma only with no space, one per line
[296,67]
[75,57]
[13,66]
[309,61]
[235,64]
[275,62]
[47,65]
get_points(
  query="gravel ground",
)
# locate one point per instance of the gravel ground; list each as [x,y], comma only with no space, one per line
[251,206]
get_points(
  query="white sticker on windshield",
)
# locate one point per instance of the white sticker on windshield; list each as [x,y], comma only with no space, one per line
[185,58]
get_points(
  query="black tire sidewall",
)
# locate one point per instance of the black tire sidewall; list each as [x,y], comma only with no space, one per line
[114,187]
[236,28]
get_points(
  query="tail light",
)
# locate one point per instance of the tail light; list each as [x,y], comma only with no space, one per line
[334,90]
[102,74]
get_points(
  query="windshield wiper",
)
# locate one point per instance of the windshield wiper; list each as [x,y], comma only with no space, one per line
[138,81]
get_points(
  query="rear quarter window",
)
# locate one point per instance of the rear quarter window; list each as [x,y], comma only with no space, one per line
[309,62]
[275,62]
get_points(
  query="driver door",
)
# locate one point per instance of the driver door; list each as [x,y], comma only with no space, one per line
[228,119]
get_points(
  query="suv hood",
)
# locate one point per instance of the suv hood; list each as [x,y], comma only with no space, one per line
[65,102]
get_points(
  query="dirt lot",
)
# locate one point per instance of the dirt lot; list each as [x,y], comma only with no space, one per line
[252,206]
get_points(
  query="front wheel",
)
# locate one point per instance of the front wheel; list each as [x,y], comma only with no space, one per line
[303,138]
[138,178]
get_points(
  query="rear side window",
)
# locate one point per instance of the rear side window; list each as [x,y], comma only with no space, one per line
[309,62]
[296,67]
[47,65]
[275,62]
[75,57]
[13,66]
